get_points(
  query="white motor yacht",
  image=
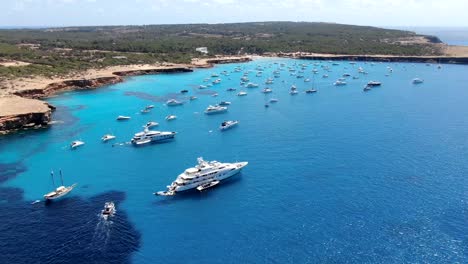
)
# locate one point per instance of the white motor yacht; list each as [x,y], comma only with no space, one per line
[224,103]
[173,102]
[267,90]
[273,100]
[109,210]
[150,136]
[215,109]
[339,83]
[203,173]
[76,143]
[228,124]
[242,93]
[251,85]
[417,81]
[151,124]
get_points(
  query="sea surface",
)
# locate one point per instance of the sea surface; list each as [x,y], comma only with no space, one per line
[339,176]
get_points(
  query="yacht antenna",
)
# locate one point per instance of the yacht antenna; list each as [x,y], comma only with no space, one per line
[52,175]
[61,177]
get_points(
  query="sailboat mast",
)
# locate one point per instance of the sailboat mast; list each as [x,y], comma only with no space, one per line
[61,177]
[52,175]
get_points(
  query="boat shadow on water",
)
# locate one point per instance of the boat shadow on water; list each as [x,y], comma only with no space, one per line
[194,194]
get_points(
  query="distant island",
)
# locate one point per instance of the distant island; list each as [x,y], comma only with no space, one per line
[37,63]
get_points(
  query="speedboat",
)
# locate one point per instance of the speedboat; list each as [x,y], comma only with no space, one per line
[203,173]
[149,107]
[231,89]
[374,84]
[192,98]
[109,210]
[173,102]
[207,185]
[151,124]
[76,144]
[273,100]
[267,90]
[171,117]
[312,90]
[228,124]
[242,93]
[149,136]
[122,118]
[214,95]
[224,103]
[215,109]
[417,81]
[107,137]
[59,191]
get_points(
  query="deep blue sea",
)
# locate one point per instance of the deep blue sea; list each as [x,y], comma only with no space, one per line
[339,176]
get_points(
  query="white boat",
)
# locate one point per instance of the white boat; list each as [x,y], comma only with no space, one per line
[251,85]
[202,87]
[107,137]
[171,117]
[214,75]
[339,83]
[203,173]
[417,81]
[224,103]
[215,109]
[269,81]
[267,90]
[151,124]
[293,92]
[149,136]
[149,107]
[59,191]
[145,111]
[231,89]
[307,80]
[173,102]
[214,95]
[242,93]
[217,81]
[207,185]
[192,98]
[273,100]
[325,76]
[367,88]
[109,210]
[228,124]
[121,117]
[76,143]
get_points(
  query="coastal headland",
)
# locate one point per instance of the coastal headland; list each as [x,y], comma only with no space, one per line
[21,107]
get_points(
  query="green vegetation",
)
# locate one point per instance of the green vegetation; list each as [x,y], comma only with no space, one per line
[62,50]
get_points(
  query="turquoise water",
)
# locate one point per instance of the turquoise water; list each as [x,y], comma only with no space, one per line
[336,176]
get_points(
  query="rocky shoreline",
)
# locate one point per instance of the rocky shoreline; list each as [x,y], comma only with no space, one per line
[22,109]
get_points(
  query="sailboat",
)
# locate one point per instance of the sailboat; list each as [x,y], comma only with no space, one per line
[59,191]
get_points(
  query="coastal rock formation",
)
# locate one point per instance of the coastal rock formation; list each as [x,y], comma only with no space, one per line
[68,85]
[17,113]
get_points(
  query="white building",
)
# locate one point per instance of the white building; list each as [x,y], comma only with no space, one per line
[203,50]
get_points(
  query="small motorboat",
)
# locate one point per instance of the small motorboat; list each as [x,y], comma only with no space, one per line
[123,118]
[228,124]
[207,185]
[367,88]
[202,87]
[151,124]
[171,117]
[109,210]
[145,111]
[217,81]
[165,193]
[325,76]
[267,105]
[307,80]
[214,95]
[312,90]
[273,100]
[193,98]
[339,83]
[417,81]
[76,143]
[231,89]
[149,107]
[184,91]
[215,109]
[293,92]
[267,90]
[107,137]
[374,84]
[251,85]
[241,93]
[224,103]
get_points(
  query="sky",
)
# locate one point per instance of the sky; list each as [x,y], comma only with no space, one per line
[399,13]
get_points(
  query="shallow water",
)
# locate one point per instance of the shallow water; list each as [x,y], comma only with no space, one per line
[336,176]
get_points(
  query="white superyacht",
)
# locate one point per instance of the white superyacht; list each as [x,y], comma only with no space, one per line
[149,136]
[203,173]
